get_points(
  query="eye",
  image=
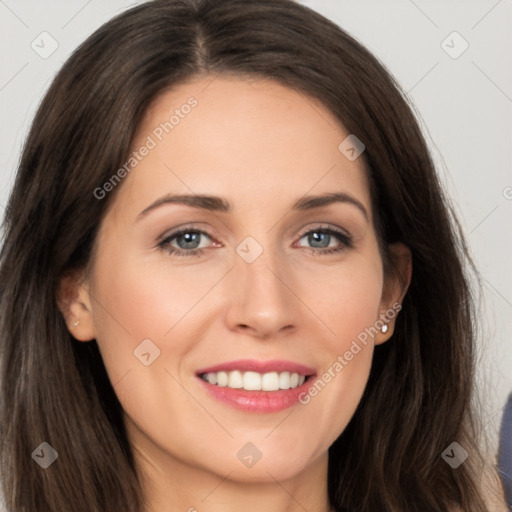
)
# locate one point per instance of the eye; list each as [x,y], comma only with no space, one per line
[320,239]
[187,241]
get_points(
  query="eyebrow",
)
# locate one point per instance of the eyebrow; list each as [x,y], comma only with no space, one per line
[218,204]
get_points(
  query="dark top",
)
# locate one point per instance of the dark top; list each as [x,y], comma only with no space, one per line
[505,451]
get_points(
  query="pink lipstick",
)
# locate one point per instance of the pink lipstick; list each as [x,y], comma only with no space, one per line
[257,386]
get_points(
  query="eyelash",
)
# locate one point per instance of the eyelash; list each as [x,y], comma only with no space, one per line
[345,239]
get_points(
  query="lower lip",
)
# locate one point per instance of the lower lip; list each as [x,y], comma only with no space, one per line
[258,401]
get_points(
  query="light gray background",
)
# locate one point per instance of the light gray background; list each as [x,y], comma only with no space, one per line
[465,106]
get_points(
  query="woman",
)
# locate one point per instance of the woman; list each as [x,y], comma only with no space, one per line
[208,291]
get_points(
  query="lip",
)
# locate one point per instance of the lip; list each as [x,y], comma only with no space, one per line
[252,365]
[258,401]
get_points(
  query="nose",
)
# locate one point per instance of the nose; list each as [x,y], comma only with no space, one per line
[261,301]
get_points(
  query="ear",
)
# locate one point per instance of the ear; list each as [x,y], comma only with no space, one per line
[74,302]
[396,284]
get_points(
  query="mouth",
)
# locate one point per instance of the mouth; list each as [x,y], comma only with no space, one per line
[257,386]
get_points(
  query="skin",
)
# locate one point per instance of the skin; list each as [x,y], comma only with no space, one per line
[261,146]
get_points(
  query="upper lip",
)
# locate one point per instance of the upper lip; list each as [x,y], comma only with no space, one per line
[252,365]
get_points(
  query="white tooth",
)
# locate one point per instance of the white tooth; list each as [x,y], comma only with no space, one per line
[284,380]
[270,381]
[222,379]
[252,381]
[235,379]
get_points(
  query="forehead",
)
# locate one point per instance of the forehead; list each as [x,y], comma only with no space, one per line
[251,139]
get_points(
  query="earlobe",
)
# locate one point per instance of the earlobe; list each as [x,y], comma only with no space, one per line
[74,302]
[387,328]
[396,284]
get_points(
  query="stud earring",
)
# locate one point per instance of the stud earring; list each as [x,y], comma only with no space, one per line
[384,328]
[75,324]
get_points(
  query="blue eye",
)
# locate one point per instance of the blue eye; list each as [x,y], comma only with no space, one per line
[319,236]
[186,241]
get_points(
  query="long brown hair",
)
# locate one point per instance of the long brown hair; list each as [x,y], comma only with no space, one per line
[53,389]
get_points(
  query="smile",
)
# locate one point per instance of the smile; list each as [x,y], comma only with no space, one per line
[257,386]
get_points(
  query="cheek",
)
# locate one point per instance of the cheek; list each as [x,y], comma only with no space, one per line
[346,297]
[349,308]
[134,302]
[358,301]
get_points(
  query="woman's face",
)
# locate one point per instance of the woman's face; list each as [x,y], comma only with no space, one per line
[262,280]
